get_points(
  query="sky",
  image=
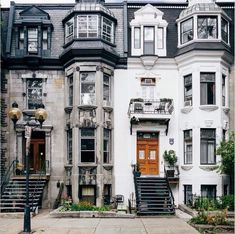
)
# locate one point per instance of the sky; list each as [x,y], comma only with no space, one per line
[6,3]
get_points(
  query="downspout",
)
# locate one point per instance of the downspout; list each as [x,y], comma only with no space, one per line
[9,29]
[125,27]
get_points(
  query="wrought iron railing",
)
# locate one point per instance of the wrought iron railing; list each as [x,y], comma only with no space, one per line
[151,106]
[9,173]
[58,198]
[136,174]
[169,188]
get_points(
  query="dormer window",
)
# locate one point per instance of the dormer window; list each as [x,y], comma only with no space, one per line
[107,30]
[207,27]
[32,40]
[69,29]
[87,26]
[187,30]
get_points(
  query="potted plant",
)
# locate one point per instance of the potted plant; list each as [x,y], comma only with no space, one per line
[171,159]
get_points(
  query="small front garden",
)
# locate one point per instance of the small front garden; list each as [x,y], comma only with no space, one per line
[213,214]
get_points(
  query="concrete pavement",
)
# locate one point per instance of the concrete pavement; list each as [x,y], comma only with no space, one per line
[44,224]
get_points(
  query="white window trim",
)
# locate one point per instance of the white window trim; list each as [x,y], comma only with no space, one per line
[87,29]
[112,29]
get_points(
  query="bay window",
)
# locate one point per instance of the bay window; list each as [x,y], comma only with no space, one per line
[69,29]
[107,30]
[207,27]
[187,30]
[148,40]
[224,30]
[188,147]
[87,26]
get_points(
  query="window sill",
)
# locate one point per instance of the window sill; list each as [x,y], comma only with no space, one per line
[88,164]
[108,166]
[208,107]
[186,109]
[68,109]
[211,167]
[87,107]
[186,167]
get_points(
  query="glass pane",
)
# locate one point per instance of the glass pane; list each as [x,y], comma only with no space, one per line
[207,27]
[86,132]
[211,152]
[34,93]
[152,154]
[141,154]
[136,38]
[203,152]
[148,34]
[160,38]
[87,144]
[187,31]
[87,156]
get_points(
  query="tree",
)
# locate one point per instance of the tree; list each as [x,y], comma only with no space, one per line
[226,150]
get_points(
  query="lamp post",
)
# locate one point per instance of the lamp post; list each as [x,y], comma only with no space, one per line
[40,116]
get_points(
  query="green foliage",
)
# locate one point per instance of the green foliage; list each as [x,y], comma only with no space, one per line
[219,218]
[226,150]
[82,206]
[170,157]
[227,202]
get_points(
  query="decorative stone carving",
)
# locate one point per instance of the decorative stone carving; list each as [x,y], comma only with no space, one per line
[107,175]
[186,110]
[87,118]
[186,168]
[226,110]
[208,107]
[209,167]
[87,175]
[107,119]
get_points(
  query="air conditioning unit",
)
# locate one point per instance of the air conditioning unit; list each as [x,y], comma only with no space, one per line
[188,103]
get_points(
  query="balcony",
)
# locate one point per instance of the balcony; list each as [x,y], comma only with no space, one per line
[155,110]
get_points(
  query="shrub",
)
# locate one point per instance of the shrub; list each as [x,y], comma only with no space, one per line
[203,203]
[227,201]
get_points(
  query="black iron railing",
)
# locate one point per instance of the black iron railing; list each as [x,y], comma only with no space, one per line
[136,174]
[59,196]
[169,188]
[9,173]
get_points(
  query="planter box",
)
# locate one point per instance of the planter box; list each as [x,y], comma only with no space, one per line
[170,173]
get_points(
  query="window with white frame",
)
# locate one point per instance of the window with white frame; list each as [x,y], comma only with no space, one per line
[224,30]
[207,86]
[69,29]
[87,26]
[69,146]
[106,89]
[223,90]
[34,93]
[87,145]
[148,88]
[208,144]
[188,147]
[149,40]
[32,40]
[207,27]
[137,38]
[44,39]
[87,82]
[70,90]
[107,146]
[188,89]
[186,30]
[107,30]
[208,191]
[160,38]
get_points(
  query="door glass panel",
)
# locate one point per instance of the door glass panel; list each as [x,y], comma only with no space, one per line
[141,154]
[152,154]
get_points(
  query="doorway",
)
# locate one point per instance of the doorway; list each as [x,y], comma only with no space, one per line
[147,152]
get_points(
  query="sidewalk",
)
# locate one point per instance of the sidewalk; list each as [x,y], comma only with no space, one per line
[44,224]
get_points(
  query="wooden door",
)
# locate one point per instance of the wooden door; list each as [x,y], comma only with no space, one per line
[147,156]
[37,155]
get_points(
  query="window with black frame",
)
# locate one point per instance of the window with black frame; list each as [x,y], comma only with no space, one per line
[69,30]
[187,30]
[188,147]
[208,144]
[207,86]
[208,191]
[70,146]
[34,93]
[87,145]
[106,146]
[188,194]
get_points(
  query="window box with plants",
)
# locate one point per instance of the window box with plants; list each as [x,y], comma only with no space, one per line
[170,159]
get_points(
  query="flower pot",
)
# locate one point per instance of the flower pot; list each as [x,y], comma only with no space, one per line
[170,173]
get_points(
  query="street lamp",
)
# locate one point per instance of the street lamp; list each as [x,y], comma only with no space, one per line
[40,116]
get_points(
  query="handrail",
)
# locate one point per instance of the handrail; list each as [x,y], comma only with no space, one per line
[135,167]
[6,177]
[168,185]
[42,172]
[58,199]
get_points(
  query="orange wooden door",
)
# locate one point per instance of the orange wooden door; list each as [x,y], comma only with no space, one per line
[147,156]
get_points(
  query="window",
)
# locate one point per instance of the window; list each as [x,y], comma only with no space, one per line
[207,27]
[32,40]
[160,38]
[223,90]
[148,40]
[21,39]
[137,38]
[107,143]
[187,31]
[188,147]
[106,89]
[188,90]
[69,28]
[208,142]
[87,26]
[188,194]
[44,39]
[87,88]
[70,90]
[69,146]
[107,32]
[87,193]
[208,191]
[34,93]
[207,83]
[224,30]
[88,145]
[148,88]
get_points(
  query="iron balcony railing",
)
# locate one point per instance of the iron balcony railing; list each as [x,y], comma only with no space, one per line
[163,106]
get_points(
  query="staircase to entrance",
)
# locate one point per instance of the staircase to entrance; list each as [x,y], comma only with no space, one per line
[153,196]
[13,196]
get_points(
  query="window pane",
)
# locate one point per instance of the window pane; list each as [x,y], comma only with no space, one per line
[106,146]
[87,144]
[224,30]
[70,89]
[188,147]
[188,90]
[187,31]
[208,191]
[160,38]
[136,38]
[34,93]
[207,88]
[87,26]
[148,40]
[148,34]
[207,27]
[87,132]
[106,88]
[107,33]
[33,40]
[223,90]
